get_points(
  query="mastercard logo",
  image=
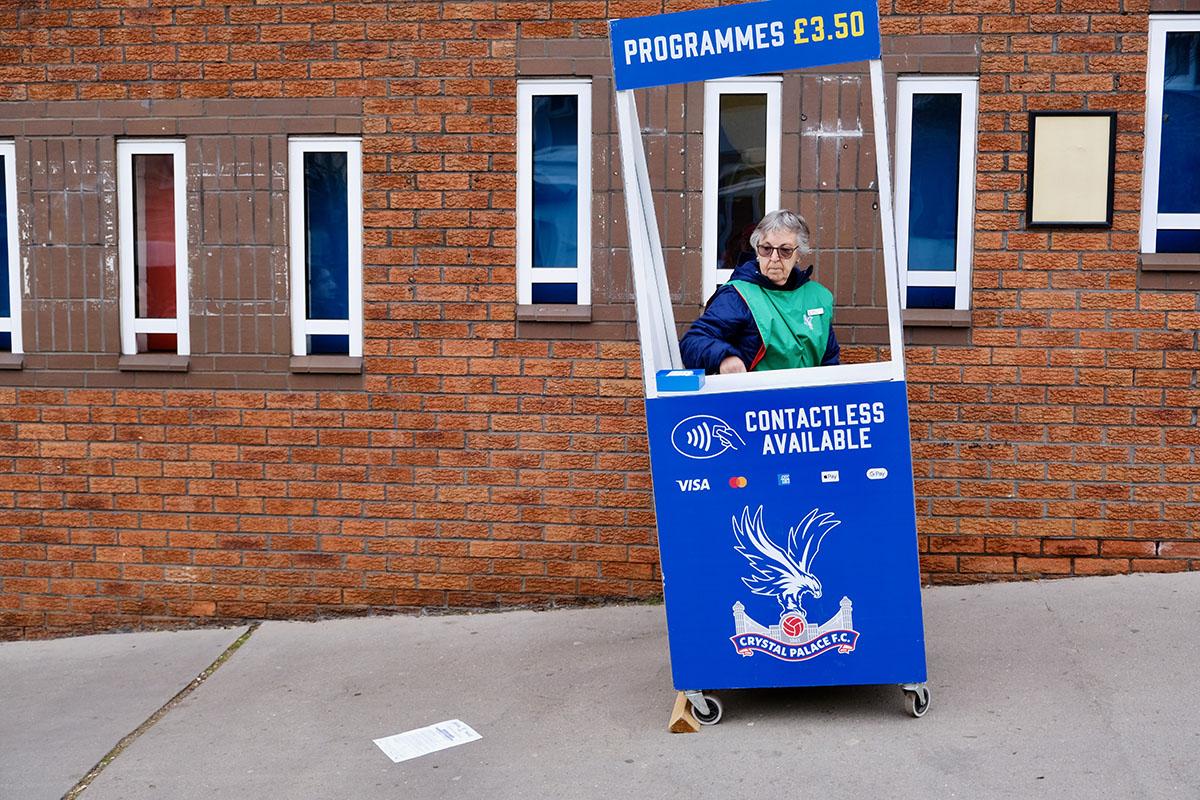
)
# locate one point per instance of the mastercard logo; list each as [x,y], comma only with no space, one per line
[738,482]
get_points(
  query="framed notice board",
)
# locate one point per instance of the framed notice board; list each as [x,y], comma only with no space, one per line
[1071,160]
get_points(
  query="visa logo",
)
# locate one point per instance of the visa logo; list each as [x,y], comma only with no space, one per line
[693,485]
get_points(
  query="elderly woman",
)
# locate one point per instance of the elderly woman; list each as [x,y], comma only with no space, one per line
[770,315]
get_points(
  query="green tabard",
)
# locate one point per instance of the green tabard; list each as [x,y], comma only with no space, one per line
[794,325]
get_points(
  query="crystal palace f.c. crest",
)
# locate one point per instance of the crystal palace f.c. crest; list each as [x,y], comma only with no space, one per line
[784,571]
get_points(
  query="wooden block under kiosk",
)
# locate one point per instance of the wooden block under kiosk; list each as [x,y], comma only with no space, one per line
[682,720]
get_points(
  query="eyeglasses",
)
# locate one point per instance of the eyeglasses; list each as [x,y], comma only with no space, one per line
[784,251]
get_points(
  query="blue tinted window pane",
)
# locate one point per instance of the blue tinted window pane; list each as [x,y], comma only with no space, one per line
[6,341]
[555,293]
[327,236]
[555,181]
[328,344]
[933,182]
[1177,242]
[741,173]
[5,300]
[1178,188]
[930,297]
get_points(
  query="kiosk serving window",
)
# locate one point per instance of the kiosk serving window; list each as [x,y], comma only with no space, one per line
[750,150]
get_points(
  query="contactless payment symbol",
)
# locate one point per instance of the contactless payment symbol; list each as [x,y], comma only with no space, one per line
[704,436]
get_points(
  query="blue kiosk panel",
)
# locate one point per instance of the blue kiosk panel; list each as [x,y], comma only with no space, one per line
[787,536]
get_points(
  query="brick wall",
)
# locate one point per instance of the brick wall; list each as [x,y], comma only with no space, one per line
[480,460]
[1060,439]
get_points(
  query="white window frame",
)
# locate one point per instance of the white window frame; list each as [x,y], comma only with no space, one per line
[132,325]
[302,326]
[581,273]
[1152,221]
[960,278]
[772,87]
[12,323]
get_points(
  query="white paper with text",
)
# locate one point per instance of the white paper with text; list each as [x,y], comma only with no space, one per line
[429,739]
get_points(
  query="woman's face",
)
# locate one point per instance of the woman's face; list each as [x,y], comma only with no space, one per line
[774,266]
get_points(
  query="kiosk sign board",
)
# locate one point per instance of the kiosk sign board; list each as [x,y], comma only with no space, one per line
[746,39]
[787,536]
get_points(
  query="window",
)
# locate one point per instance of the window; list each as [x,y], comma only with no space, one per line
[10,282]
[153,247]
[935,190]
[742,124]
[1170,191]
[325,230]
[554,192]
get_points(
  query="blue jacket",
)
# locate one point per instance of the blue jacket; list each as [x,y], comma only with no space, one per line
[726,328]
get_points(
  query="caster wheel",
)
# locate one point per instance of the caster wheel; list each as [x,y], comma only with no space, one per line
[917,701]
[715,710]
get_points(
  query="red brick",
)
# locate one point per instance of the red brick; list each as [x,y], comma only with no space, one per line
[1054,436]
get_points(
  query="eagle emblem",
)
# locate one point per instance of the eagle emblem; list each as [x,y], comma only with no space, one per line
[783,571]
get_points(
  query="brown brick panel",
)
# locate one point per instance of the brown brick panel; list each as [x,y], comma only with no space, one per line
[484,462]
[201,525]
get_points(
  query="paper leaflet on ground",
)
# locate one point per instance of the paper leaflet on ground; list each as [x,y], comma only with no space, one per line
[429,739]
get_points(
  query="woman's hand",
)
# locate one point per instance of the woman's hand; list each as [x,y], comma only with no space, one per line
[731,365]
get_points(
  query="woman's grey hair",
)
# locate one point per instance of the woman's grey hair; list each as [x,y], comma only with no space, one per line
[783,220]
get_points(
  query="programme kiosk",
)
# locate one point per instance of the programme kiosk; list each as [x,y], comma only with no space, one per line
[784,500]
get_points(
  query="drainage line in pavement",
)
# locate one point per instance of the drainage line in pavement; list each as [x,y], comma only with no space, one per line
[129,738]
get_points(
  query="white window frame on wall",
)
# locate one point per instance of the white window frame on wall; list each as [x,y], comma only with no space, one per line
[960,278]
[132,325]
[772,87]
[581,273]
[1152,221]
[12,323]
[302,326]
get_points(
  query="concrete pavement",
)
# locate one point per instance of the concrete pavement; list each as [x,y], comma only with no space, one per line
[65,703]
[1082,688]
